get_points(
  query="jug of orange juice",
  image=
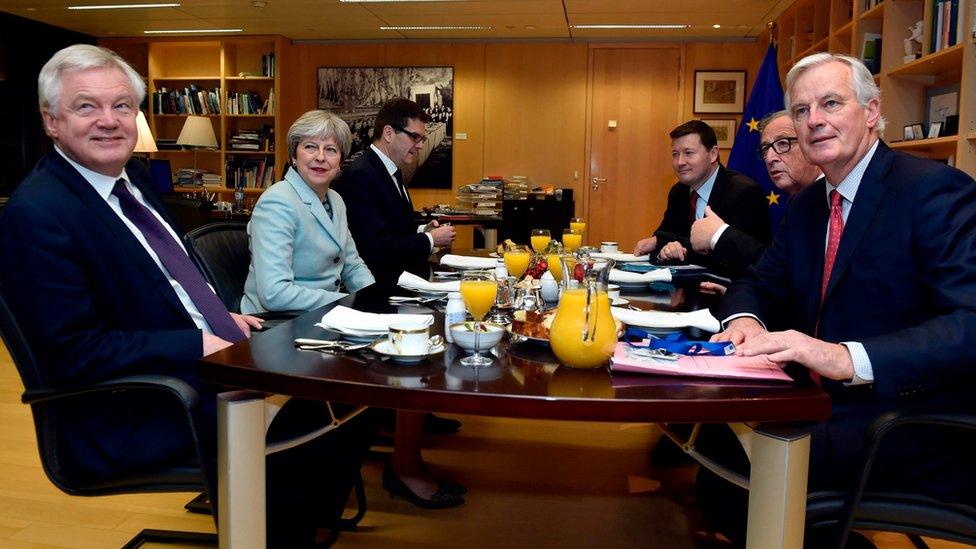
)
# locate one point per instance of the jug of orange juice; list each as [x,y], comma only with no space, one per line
[583,334]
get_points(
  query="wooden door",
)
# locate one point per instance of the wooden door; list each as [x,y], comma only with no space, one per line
[637,90]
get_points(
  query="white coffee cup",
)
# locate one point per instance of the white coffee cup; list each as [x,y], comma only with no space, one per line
[409,338]
[608,247]
[613,292]
[550,290]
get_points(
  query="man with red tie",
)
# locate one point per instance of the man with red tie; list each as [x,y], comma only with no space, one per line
[704,182]
[873,280]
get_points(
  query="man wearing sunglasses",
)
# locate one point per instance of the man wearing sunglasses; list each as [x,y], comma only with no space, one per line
[381,214]
[790,172]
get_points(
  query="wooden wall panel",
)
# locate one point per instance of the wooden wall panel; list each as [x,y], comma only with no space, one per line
[535,113]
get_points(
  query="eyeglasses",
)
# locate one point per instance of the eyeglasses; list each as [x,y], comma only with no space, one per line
[416,137]
[781,146]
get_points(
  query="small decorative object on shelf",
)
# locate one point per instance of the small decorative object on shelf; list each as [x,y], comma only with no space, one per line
[913,44]
[908,133]
[935,129]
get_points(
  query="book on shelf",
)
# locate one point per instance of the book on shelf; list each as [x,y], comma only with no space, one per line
[871,52]
[268,65]
[249,102]
[947,25]
[250,173]
[188,100]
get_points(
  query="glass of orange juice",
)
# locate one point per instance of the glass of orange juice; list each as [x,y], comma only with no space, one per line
[540,239]
[517,261]
[555,266]
[579,224]
[478,289]
[572,239]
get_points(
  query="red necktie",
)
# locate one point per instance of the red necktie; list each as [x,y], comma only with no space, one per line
[835,230]
[693,202]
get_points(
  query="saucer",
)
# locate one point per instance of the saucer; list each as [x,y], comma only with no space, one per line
[619,302]
[356,336]
[385,348]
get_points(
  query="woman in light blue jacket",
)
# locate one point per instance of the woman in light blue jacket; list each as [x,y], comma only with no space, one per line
[302,254]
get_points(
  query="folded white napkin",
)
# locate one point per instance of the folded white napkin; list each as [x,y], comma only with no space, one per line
[627,277]
[413,282]
[701,318]
[343,318]
[468,262]
[619,257]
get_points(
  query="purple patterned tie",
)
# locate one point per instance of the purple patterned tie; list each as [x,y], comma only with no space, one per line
[174,258]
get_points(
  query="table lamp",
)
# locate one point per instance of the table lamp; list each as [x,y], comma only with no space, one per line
[145,142]
[197,132]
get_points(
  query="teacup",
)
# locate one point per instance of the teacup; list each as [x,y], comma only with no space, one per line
[608,247]
[409,338]
[613,292]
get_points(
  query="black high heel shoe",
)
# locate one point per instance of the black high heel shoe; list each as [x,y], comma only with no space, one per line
[396,487]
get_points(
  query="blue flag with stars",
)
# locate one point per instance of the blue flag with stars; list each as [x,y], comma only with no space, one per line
[766,98]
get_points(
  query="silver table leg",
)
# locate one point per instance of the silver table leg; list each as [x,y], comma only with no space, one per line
[240,470]
[778,489]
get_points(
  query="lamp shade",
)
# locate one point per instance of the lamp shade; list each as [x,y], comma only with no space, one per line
[145,143]
[197,131]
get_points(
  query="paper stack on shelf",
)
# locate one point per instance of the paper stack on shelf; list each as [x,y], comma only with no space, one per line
[484,198]
[517,188]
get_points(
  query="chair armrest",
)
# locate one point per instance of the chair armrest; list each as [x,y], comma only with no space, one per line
[149,382]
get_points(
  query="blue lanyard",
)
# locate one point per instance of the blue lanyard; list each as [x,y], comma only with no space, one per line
[677,344]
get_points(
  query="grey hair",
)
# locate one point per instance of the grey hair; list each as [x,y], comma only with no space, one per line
[768,119]
[861,79]
[81,57]
[319,124]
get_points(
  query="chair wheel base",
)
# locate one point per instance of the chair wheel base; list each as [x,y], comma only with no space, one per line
[170,536]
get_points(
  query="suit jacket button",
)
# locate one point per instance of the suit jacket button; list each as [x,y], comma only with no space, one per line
[335,260]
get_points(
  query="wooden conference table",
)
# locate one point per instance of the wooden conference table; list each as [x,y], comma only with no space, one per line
[525,381]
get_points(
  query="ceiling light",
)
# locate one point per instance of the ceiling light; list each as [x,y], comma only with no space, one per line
[651,26]
[716,26]
[452,27]
[387,1]
[192,31]
[123,6]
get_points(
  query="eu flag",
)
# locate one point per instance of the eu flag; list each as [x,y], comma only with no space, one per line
[766,98]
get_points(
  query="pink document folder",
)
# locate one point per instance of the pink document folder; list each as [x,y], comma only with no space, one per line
[726,367]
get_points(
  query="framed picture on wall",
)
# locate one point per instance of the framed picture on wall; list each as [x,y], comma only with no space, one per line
[357,93]
[720,91]
[724,130]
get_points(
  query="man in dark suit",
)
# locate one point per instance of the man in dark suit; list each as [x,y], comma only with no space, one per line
[873,276]
[704,183]
[381,214]
[98,280]
[790,172]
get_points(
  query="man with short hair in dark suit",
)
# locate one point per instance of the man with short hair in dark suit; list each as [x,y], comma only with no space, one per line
[381,214]
[872,278]
[703,186]
[98,280]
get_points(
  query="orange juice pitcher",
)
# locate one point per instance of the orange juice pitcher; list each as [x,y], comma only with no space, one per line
[583,334]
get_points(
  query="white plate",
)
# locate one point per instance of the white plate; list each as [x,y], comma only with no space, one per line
[619,302]
[385,348]
[357,336]
[494,254]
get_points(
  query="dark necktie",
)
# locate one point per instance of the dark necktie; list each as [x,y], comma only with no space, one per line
[692,203]
[174,258]
[398,175]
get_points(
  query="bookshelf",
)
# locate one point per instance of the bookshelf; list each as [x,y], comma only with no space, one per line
[230,68]
[907,87]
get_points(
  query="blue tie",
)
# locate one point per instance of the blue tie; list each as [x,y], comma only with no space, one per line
[174,258]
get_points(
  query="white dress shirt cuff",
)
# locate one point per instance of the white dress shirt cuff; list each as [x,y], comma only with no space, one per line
[863,371]
[725,323]
[717,235]
[431,238]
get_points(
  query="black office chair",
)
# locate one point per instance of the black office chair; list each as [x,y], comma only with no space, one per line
[913,515]
[188,213]
[49,405]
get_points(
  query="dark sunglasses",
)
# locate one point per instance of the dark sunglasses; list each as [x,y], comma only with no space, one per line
[781,146]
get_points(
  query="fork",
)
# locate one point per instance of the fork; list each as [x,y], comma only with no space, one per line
[305,344]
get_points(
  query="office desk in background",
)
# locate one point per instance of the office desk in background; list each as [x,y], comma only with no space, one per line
[524,382]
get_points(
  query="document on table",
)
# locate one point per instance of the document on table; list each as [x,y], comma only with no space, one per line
[630,359]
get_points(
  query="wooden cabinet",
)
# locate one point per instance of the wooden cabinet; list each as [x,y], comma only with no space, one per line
[230,68]
[907,86]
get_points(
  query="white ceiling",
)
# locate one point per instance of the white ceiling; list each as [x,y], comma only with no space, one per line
[332,20]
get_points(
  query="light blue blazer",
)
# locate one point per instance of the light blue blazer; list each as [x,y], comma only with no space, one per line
[299,257]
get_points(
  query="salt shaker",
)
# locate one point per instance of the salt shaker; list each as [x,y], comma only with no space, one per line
[454,313]
[501,271]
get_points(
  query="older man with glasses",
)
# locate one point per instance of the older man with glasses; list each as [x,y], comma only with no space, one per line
[790,172]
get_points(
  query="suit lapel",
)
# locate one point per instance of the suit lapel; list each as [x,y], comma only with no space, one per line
[870,194]
[388,186]
[121,234]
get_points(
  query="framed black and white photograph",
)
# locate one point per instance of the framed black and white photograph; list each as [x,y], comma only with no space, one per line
[918,131]
[934,129]
[941,102]
[720,91]
[909,133]
[724,130]
[357,93]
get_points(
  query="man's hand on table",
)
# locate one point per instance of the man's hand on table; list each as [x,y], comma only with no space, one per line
[672,251]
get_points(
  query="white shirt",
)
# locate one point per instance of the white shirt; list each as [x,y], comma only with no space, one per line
[103,185]
[392,168]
